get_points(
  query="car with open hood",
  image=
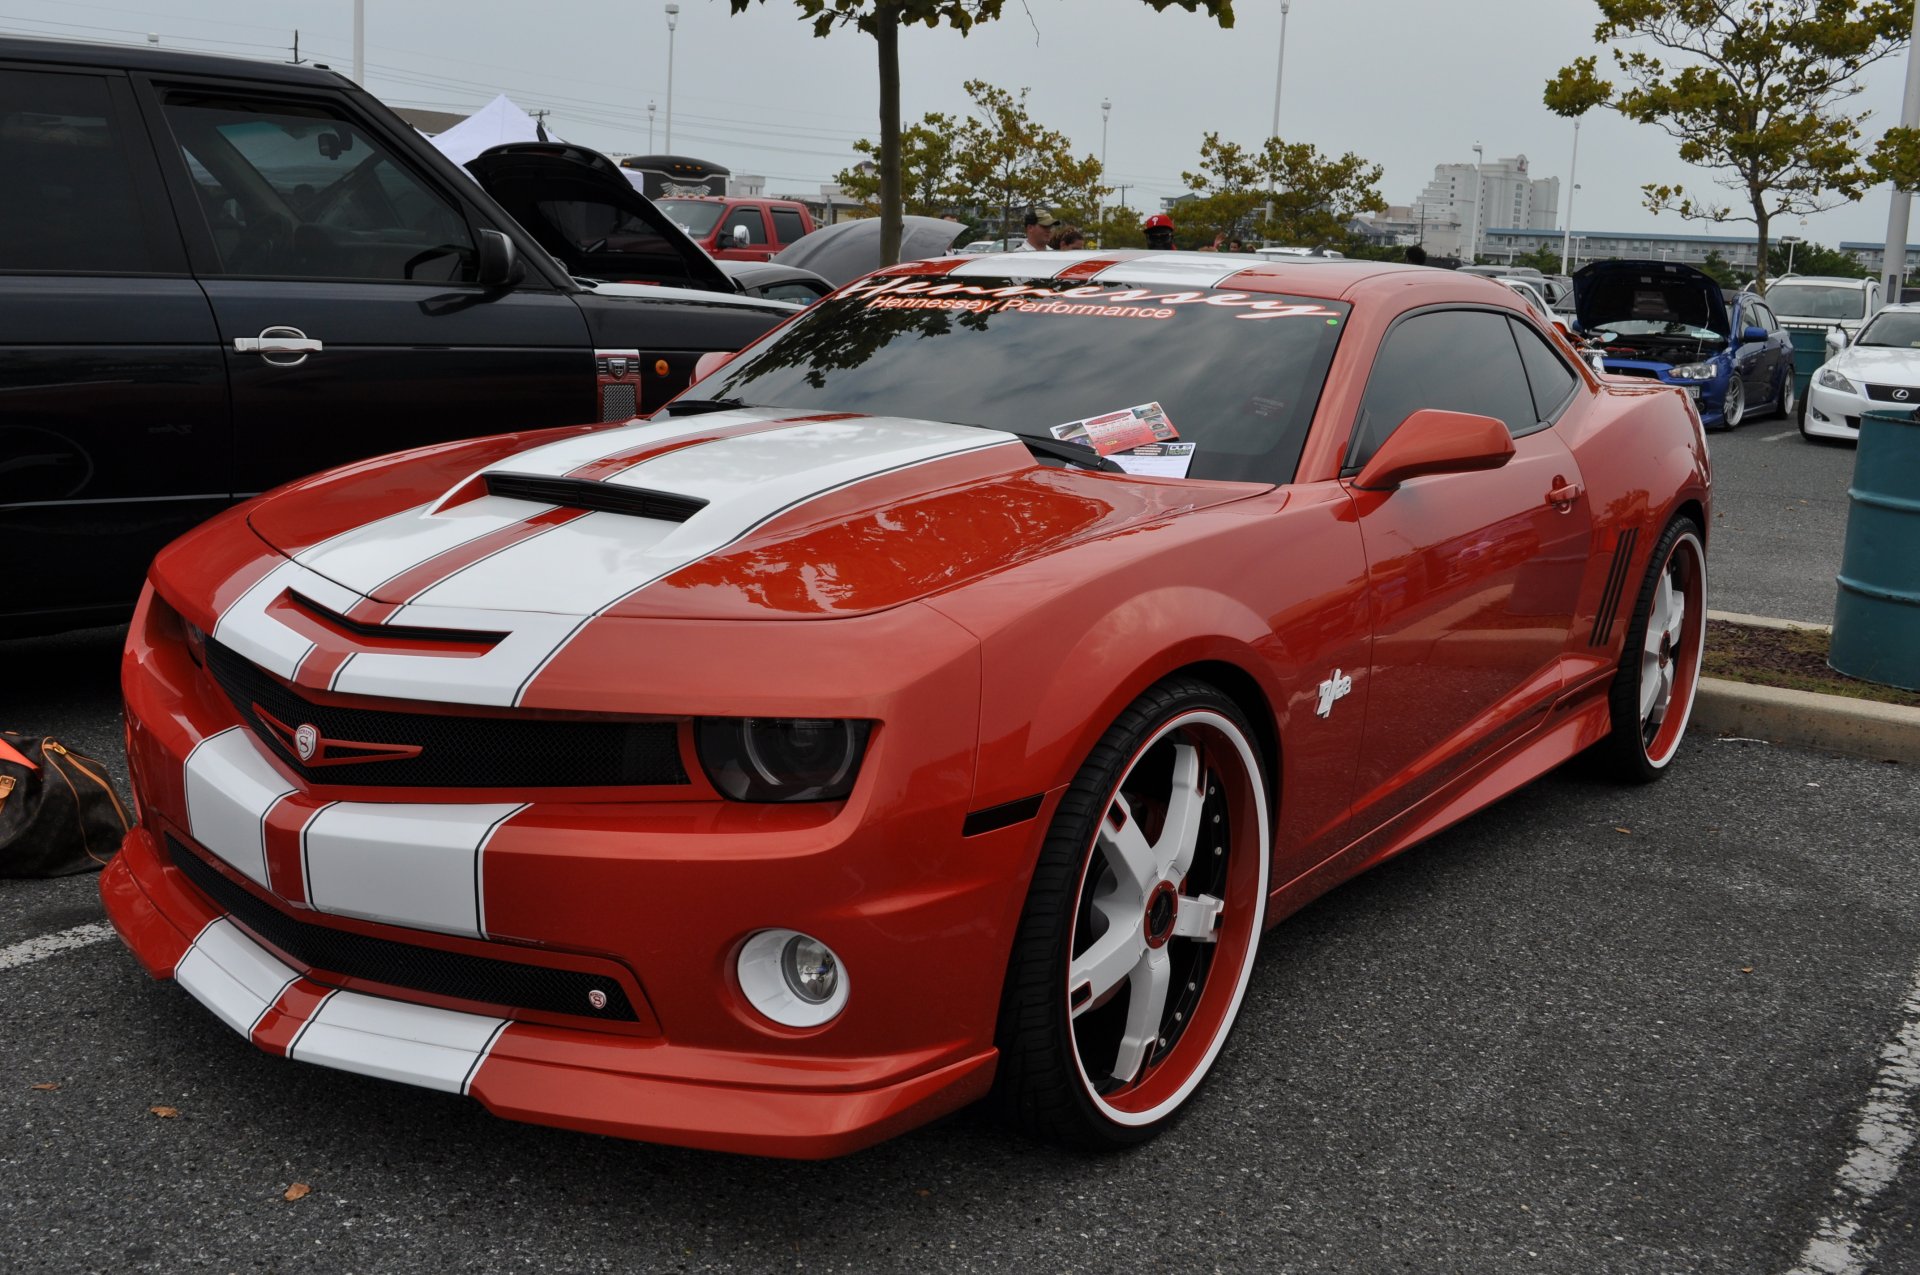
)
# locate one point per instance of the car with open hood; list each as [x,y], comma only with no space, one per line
[1667,321]
[1880,370]
[219,274]
[935,703]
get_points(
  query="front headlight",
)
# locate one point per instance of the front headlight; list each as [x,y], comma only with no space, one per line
[1834,381]
[1694,372]
[782,758]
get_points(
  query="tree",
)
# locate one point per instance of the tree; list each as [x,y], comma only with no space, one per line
[1755,93]
[1813,258]
[1545,259]
[882,19]
[1719,269]
[1007,160]
[1315,197]
[928,169]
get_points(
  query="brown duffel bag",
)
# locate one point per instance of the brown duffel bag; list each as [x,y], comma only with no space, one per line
[58,811]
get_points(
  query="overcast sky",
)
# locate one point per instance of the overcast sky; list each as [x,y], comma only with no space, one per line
[1405,85]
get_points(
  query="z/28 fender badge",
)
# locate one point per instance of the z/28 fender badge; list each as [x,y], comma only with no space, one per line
[1335,687]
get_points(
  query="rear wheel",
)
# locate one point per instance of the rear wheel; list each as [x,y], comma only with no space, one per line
[1141,924]
[1652,694]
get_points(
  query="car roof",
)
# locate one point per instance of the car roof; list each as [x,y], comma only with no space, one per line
[130,57]
[1306,276]
[1830,280]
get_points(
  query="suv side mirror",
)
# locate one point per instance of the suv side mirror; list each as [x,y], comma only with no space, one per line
[740,237]
[499,262]
[1431,441]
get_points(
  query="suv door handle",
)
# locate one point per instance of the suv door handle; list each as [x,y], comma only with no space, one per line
[279,340]
[1563,496]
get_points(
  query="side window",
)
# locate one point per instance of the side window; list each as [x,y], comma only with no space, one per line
[787,225]
[1763,317]
[801,293]
[1551,380]
[296,189]
[69,203]
[750,218]
[1457,360]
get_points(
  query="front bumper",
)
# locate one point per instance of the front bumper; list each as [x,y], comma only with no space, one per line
[652,898]
[1835,413]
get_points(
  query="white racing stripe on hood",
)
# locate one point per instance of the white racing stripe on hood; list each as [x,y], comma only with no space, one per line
[247,629]
[542,590]
[1171,270]
[364,559]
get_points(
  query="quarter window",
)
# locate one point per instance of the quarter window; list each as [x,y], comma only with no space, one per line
[1547,373]
[69,203]
[1455,360]
[787,224]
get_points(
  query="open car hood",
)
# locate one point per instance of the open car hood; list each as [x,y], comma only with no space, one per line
[1650,291]
[846,250]
[583,210]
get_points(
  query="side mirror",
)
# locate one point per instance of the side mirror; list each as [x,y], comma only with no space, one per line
[499,261]
[740,237]
[709,363]
[1431,441]
[1752,333]
[1836,341]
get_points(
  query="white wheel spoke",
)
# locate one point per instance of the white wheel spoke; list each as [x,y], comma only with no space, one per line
[1146,1003]
[1180,833]
[1663,694]
[1199,918]
[1106,964]
[1649,685]
[1126,848]
[1676,616]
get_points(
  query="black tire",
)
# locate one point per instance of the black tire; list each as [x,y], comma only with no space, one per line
[1637,750]
[1047,1030]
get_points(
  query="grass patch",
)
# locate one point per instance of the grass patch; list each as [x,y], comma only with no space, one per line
[1792,658]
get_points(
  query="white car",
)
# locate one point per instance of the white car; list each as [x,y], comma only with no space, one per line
[1881,369]
[1824,301]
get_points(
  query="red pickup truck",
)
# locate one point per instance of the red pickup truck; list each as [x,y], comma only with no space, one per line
[733,229]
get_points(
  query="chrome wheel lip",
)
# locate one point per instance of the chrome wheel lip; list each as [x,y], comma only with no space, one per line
[1733,406]
[1245,934]
[1681,656]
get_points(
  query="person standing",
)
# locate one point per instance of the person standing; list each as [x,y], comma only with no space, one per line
[1159,229]
[1039,232]
[1067,238]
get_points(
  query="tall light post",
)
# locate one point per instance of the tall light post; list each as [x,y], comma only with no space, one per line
[360,42]
[673,21]
[1279,74]
[1473,227]
[1893,265]
[652,106]
[1573,184]
[1106,109]
[1792,241]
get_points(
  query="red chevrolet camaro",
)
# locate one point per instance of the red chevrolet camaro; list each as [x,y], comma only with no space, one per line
[936,702]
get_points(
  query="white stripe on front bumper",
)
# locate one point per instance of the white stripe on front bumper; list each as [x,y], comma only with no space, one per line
[230,788]
[393,1040]
[411,865]
[232,975]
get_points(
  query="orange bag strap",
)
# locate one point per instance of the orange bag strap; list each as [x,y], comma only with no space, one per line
[9,753]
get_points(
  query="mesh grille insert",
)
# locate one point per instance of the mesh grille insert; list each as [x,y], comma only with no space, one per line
[484,980]
[455,752]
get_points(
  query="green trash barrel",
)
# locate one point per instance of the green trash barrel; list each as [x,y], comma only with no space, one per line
[1876,617]
[1809,352]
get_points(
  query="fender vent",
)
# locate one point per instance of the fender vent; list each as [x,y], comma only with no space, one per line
[1616,584]
[598,497]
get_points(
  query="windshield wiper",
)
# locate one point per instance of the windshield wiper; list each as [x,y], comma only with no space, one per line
[697,406]
[1072,453]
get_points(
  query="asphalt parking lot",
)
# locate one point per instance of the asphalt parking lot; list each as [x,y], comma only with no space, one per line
[1779,521]
[1590,1030]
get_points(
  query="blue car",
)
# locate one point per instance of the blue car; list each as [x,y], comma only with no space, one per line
[1670,322]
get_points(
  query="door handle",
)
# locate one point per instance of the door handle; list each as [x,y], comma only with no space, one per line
[279,340]
[1563,496]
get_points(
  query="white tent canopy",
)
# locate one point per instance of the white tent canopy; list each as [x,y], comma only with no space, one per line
[496,122]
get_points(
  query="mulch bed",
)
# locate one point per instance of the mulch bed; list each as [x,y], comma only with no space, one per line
[1793,658]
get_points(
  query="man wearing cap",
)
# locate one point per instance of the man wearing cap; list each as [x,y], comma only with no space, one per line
[1039,232]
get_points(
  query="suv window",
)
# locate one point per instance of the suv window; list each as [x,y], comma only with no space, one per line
[787,225]
[1457,360]
[70,203]
[296,189]
[1547,373]
[750,218]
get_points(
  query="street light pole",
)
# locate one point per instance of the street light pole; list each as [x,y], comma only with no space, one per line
[360,42]
[1106,108]
[673,21]
[1473,227]
[1279,74]
[1893,266]
[651,108]
[1573,179]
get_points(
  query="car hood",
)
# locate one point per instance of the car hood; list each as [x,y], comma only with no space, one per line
[523,176]
[1882,364]
[845,251]
[1612,291]
[752,514]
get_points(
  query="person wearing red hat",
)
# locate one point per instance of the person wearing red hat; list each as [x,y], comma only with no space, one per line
[1159,228]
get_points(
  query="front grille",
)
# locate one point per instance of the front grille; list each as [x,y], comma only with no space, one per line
[455,752]
[618,403]
[484,980]
[1894,394]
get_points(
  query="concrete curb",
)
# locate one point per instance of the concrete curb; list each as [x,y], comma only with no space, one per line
[1833,723]
[1766,622]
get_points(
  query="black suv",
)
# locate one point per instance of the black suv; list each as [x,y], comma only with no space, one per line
[217,275]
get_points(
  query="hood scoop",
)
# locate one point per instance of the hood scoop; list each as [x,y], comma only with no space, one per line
[593,496]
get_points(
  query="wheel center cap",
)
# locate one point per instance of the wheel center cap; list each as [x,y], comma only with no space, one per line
[1163,905]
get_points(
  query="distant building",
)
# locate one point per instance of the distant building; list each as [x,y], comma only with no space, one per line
[1463,200]
[1874,255]
[1739,251]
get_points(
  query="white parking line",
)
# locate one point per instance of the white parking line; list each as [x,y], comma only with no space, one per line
[1886,1130]
[39,949]
[1785,433]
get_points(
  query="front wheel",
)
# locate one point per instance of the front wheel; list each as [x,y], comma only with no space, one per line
[1652,694]
[1734,405]
[1140,927]
[1789,398]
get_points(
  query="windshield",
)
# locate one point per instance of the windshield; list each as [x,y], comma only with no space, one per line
[1234,375]
[1655,327]
[695,216]
[1893,329]
[1817,301]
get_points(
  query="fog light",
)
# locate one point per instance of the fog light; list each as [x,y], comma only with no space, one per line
[792,978]
[1816,413]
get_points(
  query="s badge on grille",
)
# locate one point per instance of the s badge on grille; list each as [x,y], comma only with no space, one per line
[306,741]
[597,998]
